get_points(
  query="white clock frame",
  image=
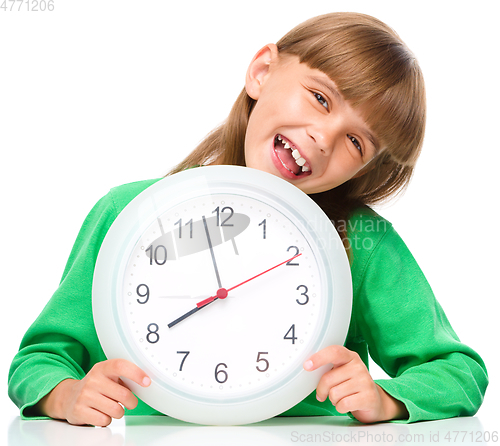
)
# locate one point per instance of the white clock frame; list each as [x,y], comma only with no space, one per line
[171,191]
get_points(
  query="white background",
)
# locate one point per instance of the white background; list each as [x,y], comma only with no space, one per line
[99,93]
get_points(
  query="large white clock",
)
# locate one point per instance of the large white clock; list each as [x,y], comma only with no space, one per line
[219,282]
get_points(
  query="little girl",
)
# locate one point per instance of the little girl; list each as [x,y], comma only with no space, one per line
[337,108]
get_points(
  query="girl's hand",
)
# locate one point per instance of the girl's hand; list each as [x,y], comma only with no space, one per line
[351,388]
[97,398]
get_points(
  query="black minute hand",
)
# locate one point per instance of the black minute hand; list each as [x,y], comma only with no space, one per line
[212,251]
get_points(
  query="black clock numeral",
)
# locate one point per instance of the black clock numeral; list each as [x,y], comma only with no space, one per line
[303,294]
[219,211]
[145,294]
[159,256]
[183,359]
[218,373]
[264,360]
[290,263]
[291,331]
[263,224]
[153,337]
[190,223]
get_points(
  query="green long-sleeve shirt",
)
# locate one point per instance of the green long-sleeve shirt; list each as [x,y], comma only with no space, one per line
[395,318]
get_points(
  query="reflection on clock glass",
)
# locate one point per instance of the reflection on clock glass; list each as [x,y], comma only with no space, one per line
[212,246]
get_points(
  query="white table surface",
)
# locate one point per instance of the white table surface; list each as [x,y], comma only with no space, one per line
[156,430]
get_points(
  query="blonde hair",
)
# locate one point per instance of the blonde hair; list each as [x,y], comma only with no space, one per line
[375,71]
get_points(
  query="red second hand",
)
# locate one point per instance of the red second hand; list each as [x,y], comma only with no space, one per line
[222,292]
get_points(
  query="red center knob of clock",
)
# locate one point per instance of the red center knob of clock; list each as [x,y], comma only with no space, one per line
[221,293]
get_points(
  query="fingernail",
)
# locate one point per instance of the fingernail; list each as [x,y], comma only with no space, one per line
[308,365]
[320,399]
[146,382]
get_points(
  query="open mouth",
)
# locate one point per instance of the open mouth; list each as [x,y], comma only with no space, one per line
[290,157]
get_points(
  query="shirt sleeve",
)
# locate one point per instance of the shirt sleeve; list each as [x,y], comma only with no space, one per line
[408,335]
[62,343]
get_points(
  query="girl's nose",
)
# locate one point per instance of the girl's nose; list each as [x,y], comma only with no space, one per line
[324,137]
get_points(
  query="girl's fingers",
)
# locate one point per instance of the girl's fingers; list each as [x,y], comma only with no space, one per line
[349,403]
[121,368]
[336,355]
[335,378]
[108,407]
[94,417]
[102,395]
[117,393]
[354,371]
[88,415]
[345,382]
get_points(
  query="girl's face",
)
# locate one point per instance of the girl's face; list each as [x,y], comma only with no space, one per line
[301,129]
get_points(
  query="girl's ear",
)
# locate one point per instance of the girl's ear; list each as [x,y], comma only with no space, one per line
[259,69]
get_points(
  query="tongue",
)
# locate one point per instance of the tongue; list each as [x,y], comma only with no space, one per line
[285,155]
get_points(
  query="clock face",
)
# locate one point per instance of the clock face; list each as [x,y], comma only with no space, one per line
[220,293]
[245,342]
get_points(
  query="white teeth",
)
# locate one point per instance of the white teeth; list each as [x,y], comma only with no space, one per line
[295,153]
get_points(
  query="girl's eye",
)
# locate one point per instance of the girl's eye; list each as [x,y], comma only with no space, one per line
[321,100]
[356,143]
